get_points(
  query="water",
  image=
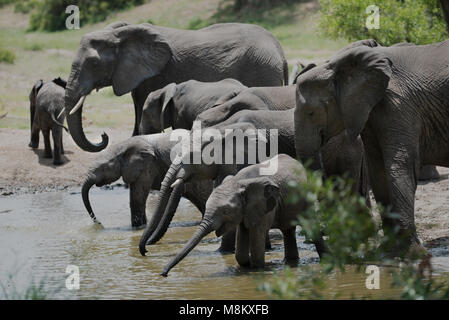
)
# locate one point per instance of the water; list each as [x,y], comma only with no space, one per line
[41,234]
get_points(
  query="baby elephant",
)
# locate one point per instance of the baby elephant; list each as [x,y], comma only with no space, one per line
[142,162]
[253,203]
[46,105]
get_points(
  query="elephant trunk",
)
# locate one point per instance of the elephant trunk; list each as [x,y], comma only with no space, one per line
[205,227]
[308,145]
[88,183]
[74,106]
[168,214]
[160,208]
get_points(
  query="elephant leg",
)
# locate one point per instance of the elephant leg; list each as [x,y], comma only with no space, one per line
[47,146]
[428,172]
[290,246]
[34,140]
[257,247]
[267,241]
[62,146]
[401,176]
[242,246]
[57,136]
[320,246]
[138,194]
[228,242]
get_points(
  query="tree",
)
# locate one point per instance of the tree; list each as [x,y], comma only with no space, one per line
[416,21]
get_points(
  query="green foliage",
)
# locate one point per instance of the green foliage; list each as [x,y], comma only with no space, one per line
[25,6]
[50,15]
[5,2]
[36,290]
[415,21]
[7,56]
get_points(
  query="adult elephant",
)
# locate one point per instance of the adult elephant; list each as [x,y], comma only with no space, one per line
[396,98]
[143,58]
[178,105]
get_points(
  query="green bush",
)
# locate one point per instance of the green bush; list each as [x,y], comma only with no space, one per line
[7,56]
[50,15]
[5,2]
[415,21]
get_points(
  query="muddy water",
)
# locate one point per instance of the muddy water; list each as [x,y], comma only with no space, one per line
[41,234]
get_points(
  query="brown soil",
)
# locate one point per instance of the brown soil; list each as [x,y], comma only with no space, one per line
[23,169]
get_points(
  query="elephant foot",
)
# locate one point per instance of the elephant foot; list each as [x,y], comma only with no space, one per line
[428,173]
[58,162]
[33,145]
[224,249]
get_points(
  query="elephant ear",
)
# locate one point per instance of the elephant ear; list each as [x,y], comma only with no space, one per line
[169,93]
[361,78]
[134,164]
[256,191]
[141,54]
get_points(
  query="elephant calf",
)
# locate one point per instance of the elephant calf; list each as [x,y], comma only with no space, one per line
[142,162]
[46,105]
[253,203]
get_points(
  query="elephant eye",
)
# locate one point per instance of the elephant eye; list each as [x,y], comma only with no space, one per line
[310,113]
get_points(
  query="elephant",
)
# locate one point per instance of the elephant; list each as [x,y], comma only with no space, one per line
[46,104]
[143,58]
[181,172]
[254,203]
[142,162]
[178,105]
[340,156]
[255,98]
[396,99]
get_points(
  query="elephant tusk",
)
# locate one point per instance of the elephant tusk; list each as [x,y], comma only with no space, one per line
[78,105]
[60,114]
[177,182]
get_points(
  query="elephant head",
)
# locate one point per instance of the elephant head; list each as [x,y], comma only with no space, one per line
[182,171]
[121,56]
[157,113]
[247,201]
[129,161]
[338,95]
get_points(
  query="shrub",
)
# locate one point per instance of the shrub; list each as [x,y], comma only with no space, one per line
[50,15]
[7,56]
[352,238]
[415,21]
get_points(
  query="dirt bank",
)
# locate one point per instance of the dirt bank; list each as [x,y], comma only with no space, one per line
[23,169]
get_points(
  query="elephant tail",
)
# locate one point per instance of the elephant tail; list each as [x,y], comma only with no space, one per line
[285,67]
[57,122]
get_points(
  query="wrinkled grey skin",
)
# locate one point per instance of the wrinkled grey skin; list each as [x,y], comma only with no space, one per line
[340,155]
[178,105]
[142,162]
[182,172]
[143,58]
[253,203]
[46,103]
[396,98]
[257,98]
